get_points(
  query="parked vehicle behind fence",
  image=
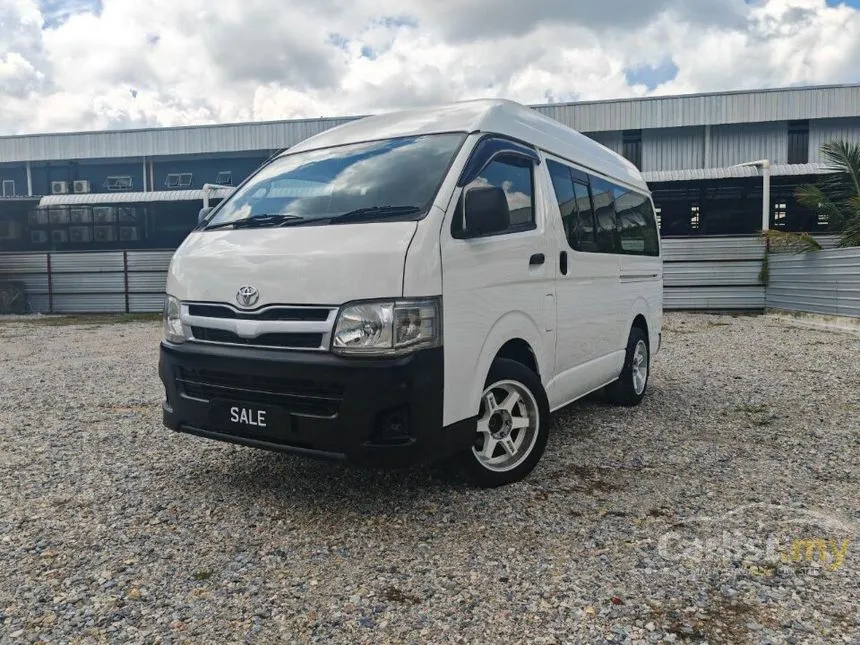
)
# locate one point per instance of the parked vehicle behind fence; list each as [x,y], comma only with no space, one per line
[415,286]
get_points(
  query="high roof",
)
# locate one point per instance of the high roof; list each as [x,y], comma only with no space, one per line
[782,104]
[497,116]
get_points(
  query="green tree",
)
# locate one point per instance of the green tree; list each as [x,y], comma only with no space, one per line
[837,195]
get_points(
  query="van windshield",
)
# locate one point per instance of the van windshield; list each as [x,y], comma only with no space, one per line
[387,179]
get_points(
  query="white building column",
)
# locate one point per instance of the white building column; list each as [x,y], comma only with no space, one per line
[764,164]
[29,180]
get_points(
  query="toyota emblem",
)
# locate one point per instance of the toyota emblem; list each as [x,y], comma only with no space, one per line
[247,296]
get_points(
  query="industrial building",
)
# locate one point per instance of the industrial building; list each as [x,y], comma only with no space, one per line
[706,157]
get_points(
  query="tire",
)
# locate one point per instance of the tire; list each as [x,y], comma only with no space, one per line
[630,388]
[527,443]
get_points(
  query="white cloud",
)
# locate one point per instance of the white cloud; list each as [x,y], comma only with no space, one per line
[169,62]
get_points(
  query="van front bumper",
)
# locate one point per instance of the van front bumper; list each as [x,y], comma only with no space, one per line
[372,412]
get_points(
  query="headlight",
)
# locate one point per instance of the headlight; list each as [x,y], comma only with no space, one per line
[393,327]
[173,331]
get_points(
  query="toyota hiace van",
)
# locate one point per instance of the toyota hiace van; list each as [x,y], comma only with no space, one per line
[414,286]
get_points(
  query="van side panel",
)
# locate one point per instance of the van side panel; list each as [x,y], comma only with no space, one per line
[492,294]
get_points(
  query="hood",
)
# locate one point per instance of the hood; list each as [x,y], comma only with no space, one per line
[310,265]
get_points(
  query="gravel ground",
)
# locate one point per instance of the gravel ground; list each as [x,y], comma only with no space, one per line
[677,521]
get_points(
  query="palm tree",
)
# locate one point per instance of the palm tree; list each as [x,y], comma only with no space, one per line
[837,195]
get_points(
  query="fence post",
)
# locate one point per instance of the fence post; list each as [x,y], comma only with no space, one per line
[125,278]
[50,286]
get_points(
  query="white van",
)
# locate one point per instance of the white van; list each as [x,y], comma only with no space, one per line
[415,286]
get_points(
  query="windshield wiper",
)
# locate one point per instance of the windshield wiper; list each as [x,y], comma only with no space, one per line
[274,219]
[375,211]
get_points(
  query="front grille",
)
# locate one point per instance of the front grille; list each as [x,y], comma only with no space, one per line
[296,340]
[271,313]
[297,396]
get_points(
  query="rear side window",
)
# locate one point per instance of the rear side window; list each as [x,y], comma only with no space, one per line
[637,225]
[583,235]
[604,215]
[574,202]
[601,216]
[563,186]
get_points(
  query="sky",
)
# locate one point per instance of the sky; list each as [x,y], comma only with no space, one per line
[69,65]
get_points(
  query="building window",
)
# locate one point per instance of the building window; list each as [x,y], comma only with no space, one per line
[178,180]
[118,182]
[798,142]
[8,188]
[632,146]
[695,217]
[224,178]
[779,215]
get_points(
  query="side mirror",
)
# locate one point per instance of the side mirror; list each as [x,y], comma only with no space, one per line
[486,210]
[203,213]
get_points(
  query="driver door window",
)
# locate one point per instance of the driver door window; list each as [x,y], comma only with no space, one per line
[514,175]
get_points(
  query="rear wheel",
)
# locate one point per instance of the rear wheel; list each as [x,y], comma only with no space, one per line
[629,389]
[512,428]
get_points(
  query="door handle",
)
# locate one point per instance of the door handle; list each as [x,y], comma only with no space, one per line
[536,260]
[562,263]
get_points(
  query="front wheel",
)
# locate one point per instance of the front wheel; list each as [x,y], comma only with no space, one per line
[512,429]
[629,389]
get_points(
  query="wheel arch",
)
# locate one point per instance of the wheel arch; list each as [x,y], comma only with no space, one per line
[642,323]
[515,336]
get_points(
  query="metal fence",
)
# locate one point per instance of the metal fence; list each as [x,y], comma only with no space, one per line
[713,273]
[709,273]
[824,282]
[107,282]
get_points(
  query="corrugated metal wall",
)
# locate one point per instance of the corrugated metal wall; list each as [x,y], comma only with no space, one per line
[673,149]
[712,273]
[734,144]
[825,282]
[824,130]
[108,282]
[716,273]
[611,140]
[709,109]
[163,141]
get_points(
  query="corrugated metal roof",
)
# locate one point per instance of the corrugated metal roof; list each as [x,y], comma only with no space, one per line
[734,172]
[777,104]
[593,116]
[84,199]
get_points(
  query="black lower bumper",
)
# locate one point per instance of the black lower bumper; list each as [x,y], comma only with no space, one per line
[371,412]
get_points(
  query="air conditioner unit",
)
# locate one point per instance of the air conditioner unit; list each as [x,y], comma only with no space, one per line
[82,186]
[59,187]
